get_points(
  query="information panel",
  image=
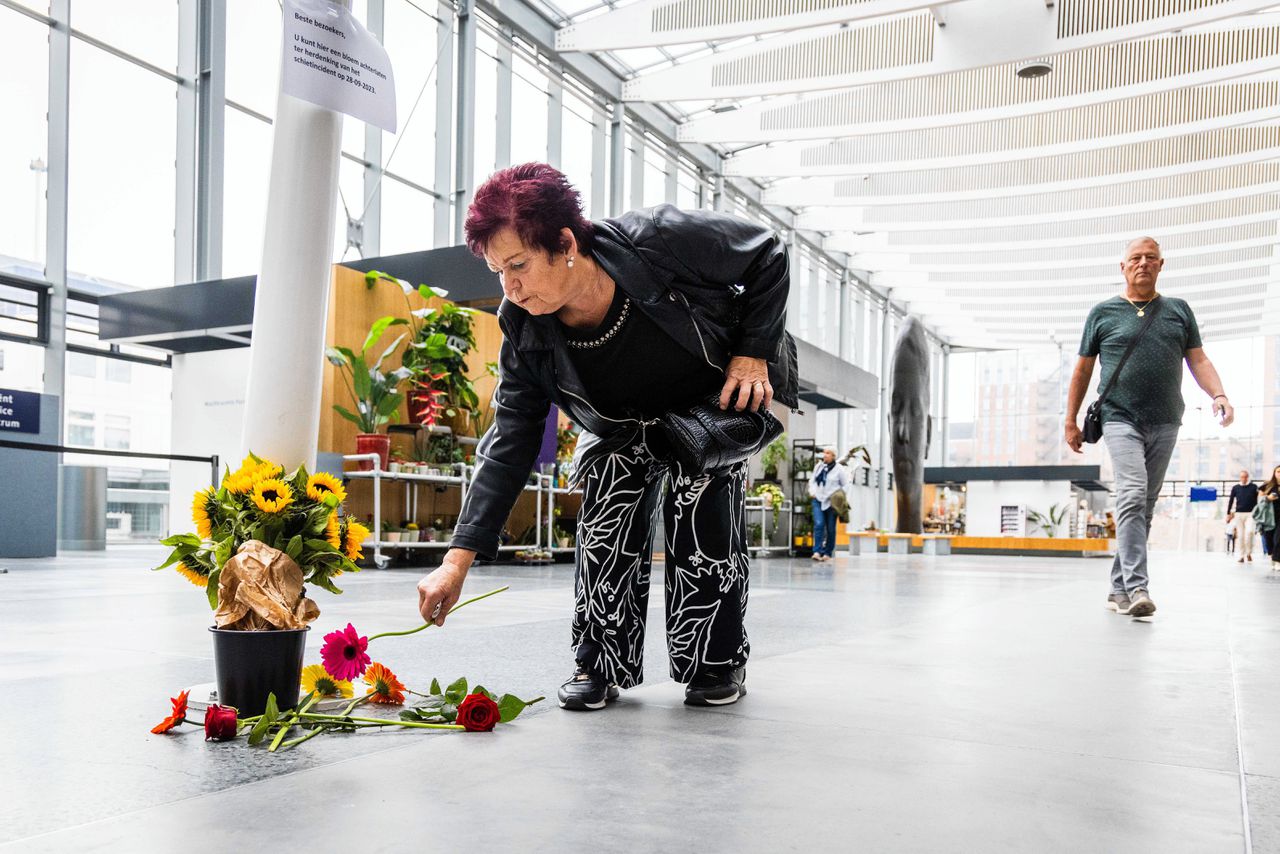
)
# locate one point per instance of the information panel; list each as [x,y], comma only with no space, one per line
[19,411]
[331,60]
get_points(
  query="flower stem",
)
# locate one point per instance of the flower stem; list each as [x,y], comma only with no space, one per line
[290,720]
[378,721]
[457,607]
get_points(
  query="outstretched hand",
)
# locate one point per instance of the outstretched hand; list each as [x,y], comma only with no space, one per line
[746,384]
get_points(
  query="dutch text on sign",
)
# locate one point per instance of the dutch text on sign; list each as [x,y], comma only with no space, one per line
[331,60]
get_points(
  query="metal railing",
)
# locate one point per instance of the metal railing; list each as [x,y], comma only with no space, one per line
[212,461]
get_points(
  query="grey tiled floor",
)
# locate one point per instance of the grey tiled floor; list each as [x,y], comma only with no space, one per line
[897,704]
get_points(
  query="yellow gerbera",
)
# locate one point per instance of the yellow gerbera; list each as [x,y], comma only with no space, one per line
[191,569]
[204,505]
[356,534]
[316,679]
[333,532]
[321,484]
[272,496]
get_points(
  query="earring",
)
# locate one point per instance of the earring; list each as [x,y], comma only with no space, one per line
[570,261]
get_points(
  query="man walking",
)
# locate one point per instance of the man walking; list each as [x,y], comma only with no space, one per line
[1143,410]
[1244,497]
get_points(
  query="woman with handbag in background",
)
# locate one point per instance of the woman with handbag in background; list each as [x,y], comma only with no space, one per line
[661,333]
[1264,514]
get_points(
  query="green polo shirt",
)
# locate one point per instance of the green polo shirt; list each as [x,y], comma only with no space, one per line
[1149,390]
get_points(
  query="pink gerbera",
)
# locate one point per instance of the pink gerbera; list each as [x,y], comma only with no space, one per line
[344,654]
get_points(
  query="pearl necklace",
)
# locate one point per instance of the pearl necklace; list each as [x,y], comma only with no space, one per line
[613,330]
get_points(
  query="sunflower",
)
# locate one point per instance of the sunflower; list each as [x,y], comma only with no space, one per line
[271,495]
[356,534]
[192,570]
[316,680]
[384,687]
[321,484]
[203,506]
[238,483]
[333,532]
[251,471]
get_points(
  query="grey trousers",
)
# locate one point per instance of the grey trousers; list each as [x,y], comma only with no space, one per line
[1139,456]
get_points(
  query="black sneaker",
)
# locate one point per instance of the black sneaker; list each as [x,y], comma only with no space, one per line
[586,691]
[717,687]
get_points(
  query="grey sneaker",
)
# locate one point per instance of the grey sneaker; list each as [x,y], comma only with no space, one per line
[1118,602]
[1141,604]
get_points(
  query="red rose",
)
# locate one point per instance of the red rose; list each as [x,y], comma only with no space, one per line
[219,723]
[478,713]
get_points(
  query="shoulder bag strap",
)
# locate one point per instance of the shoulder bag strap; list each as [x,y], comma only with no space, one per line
[1152,309]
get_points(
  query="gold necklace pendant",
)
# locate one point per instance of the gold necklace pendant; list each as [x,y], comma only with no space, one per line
[1142,312]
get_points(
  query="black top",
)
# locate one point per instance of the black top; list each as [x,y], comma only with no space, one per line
[1244,496]
[640,371]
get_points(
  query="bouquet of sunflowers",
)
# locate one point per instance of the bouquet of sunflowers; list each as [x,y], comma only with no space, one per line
[277,531]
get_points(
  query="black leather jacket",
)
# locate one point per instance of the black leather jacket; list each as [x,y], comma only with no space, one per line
[716,284]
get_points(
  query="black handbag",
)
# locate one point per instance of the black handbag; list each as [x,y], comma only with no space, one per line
[707,438]
[1092,430]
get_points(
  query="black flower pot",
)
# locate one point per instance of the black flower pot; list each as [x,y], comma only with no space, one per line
[252,665]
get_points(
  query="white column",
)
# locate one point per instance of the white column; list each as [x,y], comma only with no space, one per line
[945,430]
[282,405]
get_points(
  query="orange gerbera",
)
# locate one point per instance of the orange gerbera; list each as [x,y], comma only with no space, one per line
[179,714]
[384,687]
[356,534]
[321,484]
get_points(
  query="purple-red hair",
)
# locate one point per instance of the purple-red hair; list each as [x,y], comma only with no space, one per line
[534,199]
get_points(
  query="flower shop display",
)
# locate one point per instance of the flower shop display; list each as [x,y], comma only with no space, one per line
[375,392]
[261,537]
[344,660]
[773,496]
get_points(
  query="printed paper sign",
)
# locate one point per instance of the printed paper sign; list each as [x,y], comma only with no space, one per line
[331,60]
[19,411]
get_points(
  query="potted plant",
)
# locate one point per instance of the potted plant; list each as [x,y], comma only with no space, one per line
[773,497]
[439,342]
[376,392]
[775,454]
[1050,521]
[261,536]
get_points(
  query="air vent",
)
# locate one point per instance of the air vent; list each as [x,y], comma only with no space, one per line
[693,14]
[1079,72]
[1080,17]
[902,41]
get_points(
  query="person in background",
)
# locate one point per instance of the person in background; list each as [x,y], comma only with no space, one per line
[828,477]
[1270,491]
[1143,412]
[1231,537]
[1244,497]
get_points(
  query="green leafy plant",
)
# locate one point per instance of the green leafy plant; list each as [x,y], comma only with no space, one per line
[1050,521]
[439,343]
[775,454]
[773,497]
[375,392]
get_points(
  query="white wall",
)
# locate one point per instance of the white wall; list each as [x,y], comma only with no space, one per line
[985,497]
[208,416]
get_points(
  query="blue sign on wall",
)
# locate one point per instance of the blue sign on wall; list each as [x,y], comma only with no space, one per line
[1204,493]
[19,411]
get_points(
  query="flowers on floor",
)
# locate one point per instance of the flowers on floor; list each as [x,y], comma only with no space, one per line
[220,723]
[316,680]
[384,687]
[296,516]
[179,714]
[477,710]
[345,658]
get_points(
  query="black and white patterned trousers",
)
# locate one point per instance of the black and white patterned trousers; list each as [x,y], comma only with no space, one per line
[706,565]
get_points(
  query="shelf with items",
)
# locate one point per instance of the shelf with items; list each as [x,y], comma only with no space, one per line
[804,455]
[760,534]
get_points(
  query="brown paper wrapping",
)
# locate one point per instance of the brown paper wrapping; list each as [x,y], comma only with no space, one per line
[260,589]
